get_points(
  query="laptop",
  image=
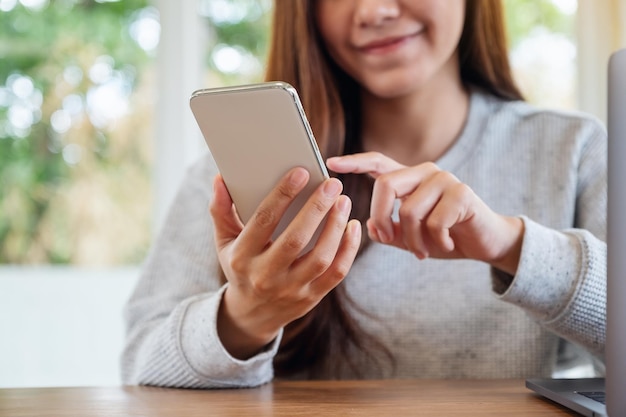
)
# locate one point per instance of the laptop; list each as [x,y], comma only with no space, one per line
[600,396]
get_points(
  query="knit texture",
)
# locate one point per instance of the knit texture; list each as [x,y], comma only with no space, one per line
[439,318]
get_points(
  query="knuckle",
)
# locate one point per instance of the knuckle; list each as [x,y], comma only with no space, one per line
[383,181]
[305,299]
[442,175]
[431,166]
[238,263]
[377,159]
[321,263]
[434,224]
[265,217]
[320,206]
[260,286]
[295,241]
[463,191]
[339,271]
[286,191]
[339,226]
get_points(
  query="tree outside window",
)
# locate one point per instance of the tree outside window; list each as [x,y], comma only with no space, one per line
[77,87]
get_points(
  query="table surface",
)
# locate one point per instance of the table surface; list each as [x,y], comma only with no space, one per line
[288,398]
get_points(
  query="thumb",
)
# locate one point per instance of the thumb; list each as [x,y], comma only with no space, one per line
[225,218]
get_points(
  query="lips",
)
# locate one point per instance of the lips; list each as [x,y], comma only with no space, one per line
[385,45]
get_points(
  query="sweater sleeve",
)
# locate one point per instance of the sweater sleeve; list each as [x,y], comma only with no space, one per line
[171,317]
[561,282]
[561,277]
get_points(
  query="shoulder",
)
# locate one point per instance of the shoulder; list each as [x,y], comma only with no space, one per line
[200,172]
[535,123]
[203,166]
[195,182]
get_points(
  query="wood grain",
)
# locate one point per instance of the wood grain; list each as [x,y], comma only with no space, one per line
[288,398]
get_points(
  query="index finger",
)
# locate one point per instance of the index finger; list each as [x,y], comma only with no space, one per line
[259,229]
[372,163]
[392,186]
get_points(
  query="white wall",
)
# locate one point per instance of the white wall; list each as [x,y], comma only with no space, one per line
[62,326]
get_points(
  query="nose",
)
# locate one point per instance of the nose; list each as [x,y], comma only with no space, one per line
[376,12]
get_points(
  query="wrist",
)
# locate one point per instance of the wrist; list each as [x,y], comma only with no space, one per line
[508,259]
[241,329]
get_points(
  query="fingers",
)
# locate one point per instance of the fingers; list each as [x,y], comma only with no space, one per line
[342,261]
[372,163]
[453,208]
[431,203]
[421,214]
[397,185]
[297,235]
[260,228]
[319,259]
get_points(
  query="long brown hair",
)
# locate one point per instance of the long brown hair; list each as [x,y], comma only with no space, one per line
[324,340]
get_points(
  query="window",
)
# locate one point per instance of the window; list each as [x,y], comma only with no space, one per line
[75,131]
[96,133]
[542,37]
[79,163]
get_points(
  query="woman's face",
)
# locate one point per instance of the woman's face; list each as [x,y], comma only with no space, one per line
[392,47]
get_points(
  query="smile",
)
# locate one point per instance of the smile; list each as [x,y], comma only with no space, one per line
[387,45]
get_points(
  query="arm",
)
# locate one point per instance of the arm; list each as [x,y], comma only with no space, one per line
[171,316]
[187,331]
[561,279]
[557,276]
[561,282]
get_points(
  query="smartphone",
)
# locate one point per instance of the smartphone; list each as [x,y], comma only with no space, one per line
[256,133]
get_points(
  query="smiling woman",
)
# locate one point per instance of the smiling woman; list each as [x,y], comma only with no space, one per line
[76,111]
[80,168]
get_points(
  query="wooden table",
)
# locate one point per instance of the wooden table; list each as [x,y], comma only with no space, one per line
[303,398]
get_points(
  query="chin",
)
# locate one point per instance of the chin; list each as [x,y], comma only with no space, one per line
[394,87]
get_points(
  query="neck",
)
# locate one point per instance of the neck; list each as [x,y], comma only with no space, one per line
[418,127]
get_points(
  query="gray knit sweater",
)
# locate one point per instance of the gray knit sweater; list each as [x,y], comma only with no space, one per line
[439,318]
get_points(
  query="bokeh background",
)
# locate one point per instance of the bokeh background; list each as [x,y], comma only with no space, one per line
[95,135]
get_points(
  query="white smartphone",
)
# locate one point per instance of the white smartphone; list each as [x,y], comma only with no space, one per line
[256,133]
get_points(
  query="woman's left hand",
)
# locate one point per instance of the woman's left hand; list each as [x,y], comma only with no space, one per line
[439,216]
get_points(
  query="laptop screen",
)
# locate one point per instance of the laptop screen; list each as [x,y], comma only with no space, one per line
[616,239]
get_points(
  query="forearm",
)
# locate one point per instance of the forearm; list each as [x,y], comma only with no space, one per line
[183,350]
[561,281]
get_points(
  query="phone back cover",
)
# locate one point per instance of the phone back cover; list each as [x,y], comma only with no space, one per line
[255,136]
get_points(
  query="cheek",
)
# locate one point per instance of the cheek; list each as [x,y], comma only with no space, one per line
[330,20]
[335,39]
[451,23]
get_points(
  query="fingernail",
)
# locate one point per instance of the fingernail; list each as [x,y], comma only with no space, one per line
[354,227]
[344,204]
[332,188]
[298,177]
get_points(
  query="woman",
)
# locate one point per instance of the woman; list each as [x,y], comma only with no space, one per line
[484,219]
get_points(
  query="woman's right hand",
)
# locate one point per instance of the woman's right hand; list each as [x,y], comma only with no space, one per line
[270,284]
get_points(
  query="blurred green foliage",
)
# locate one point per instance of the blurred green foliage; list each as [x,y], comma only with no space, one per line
[523,16]
[37,46]
[82,195]
[242,25]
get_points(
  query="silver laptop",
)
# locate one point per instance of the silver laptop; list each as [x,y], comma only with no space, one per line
[595,396]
